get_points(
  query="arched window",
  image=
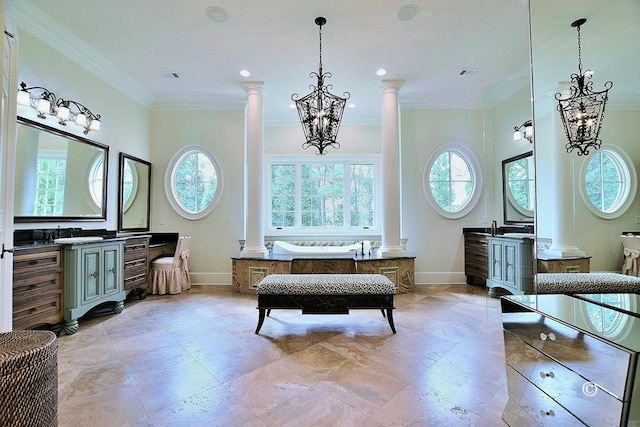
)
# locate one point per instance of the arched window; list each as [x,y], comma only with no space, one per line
[608,182]
[96,176]
[193,182]
[452,181]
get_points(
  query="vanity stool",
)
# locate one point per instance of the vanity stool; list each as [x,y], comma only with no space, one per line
[325,294]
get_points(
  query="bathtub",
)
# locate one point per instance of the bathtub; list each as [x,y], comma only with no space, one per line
[284,248]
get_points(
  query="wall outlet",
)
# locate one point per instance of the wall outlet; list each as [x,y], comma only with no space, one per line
[638,220]
[161,220]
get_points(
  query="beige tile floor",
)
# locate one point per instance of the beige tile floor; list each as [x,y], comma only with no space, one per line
[194,360]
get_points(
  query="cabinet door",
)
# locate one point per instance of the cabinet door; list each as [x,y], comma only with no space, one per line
[495,260]
[91,273]
[510,260]
[111,275]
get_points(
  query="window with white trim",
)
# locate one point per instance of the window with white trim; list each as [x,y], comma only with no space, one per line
[193,182]
[50,182]
[452,181]
[324,194]
[608,182]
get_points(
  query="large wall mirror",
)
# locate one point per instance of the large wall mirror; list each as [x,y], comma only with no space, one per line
[518,189]
[134,194]
[610,48]
[59,176]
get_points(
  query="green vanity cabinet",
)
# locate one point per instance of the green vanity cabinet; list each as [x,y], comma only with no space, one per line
[510,265]
[93,276]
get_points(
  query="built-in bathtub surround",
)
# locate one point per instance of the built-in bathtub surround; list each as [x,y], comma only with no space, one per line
[248,272]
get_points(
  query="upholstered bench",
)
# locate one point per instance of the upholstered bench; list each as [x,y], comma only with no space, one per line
[325,294]
[586,283]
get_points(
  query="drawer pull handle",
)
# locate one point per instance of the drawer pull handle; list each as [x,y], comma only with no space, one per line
[33,310]
[94,274]
[547,375]
[33,262]
[33,286]
[550,336]
[548,413]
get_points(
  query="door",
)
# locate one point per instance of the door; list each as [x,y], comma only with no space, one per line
[111,272]
[495,260]
[8,79]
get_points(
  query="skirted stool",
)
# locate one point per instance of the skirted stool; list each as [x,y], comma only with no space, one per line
[28,378]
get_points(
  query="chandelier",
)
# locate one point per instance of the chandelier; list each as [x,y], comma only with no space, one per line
[66,110]
[582,111]
[320,111]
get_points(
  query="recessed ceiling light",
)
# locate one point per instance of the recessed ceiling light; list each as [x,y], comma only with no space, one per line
[216,14]
[408,12]
[245,73]
[169,74]
[381,72]
[352,105]
[292,105]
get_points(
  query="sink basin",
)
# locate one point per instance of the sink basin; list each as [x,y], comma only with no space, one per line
[84,239]
[520,235]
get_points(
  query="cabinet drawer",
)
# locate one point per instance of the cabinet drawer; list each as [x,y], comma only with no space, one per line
[29,262]
[29,288]
[47,309]
[540,407]
[591,405]
[135,262]
[138,280]
[593,359]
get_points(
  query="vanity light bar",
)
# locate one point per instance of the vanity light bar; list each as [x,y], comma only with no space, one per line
[47,103]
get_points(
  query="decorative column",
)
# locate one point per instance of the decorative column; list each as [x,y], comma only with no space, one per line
[391,189]
[254,155]
[562,229]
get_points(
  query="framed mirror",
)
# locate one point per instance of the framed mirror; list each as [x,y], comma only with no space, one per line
[518,189]
[134,194]
[59,176]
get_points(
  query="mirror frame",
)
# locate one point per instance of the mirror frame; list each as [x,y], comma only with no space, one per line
[121,208]
[103,214]
[505,189]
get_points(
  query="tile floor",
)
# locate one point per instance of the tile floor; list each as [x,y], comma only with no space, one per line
[194,360]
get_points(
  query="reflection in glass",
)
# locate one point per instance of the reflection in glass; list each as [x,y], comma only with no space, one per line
[134,194]
[58,175]
[603,319]
[518,176]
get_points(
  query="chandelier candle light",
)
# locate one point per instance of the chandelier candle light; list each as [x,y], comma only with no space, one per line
[320,111]
[64,109]
[582,111]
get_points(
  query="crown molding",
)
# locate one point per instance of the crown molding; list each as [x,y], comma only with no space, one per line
[46,29]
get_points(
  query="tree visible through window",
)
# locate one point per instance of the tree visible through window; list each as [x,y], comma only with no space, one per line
[193,182]
[604,181]
[50,186]
[452,180]
[337,194]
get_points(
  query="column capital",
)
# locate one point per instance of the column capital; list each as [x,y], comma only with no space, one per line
[391,85]
[250,87]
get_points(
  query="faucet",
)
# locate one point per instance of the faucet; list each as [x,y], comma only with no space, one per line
[494,227]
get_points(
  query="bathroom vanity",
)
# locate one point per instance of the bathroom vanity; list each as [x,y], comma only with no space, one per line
[510,264]
[93,276]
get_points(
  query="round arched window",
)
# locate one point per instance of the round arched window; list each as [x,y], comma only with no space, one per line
[452,181]
[193,182]
[608,182]
[96,180]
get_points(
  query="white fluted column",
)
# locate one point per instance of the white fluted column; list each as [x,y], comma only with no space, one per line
[254,155]
[562,229]
[391,189]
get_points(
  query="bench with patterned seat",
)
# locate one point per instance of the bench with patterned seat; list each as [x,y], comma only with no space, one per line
[325,294]
[586,283]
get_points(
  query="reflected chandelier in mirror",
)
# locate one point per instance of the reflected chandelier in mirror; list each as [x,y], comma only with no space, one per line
[59,176]
[518,189]
[134,194]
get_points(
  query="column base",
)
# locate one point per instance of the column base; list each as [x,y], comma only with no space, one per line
[258,252]
[391,251]
[563,252]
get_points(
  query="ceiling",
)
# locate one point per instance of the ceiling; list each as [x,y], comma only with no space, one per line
[131,44]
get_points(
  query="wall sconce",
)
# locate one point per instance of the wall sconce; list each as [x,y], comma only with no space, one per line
[582,111]
[528,131]
[47,103]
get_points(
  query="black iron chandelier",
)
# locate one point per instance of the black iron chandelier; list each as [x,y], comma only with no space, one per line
[582,111]
[320,111]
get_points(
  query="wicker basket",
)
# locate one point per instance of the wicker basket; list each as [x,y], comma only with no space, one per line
[28,378]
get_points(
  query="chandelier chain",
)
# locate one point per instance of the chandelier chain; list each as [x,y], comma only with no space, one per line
[579,52]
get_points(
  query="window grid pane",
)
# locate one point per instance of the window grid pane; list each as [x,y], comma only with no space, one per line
[50,186]
[451,181]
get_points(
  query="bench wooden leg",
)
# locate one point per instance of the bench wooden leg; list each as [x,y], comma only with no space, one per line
[260,319]
[390,319]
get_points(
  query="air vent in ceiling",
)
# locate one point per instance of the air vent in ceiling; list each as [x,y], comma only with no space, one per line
[469,72]
[169,74]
